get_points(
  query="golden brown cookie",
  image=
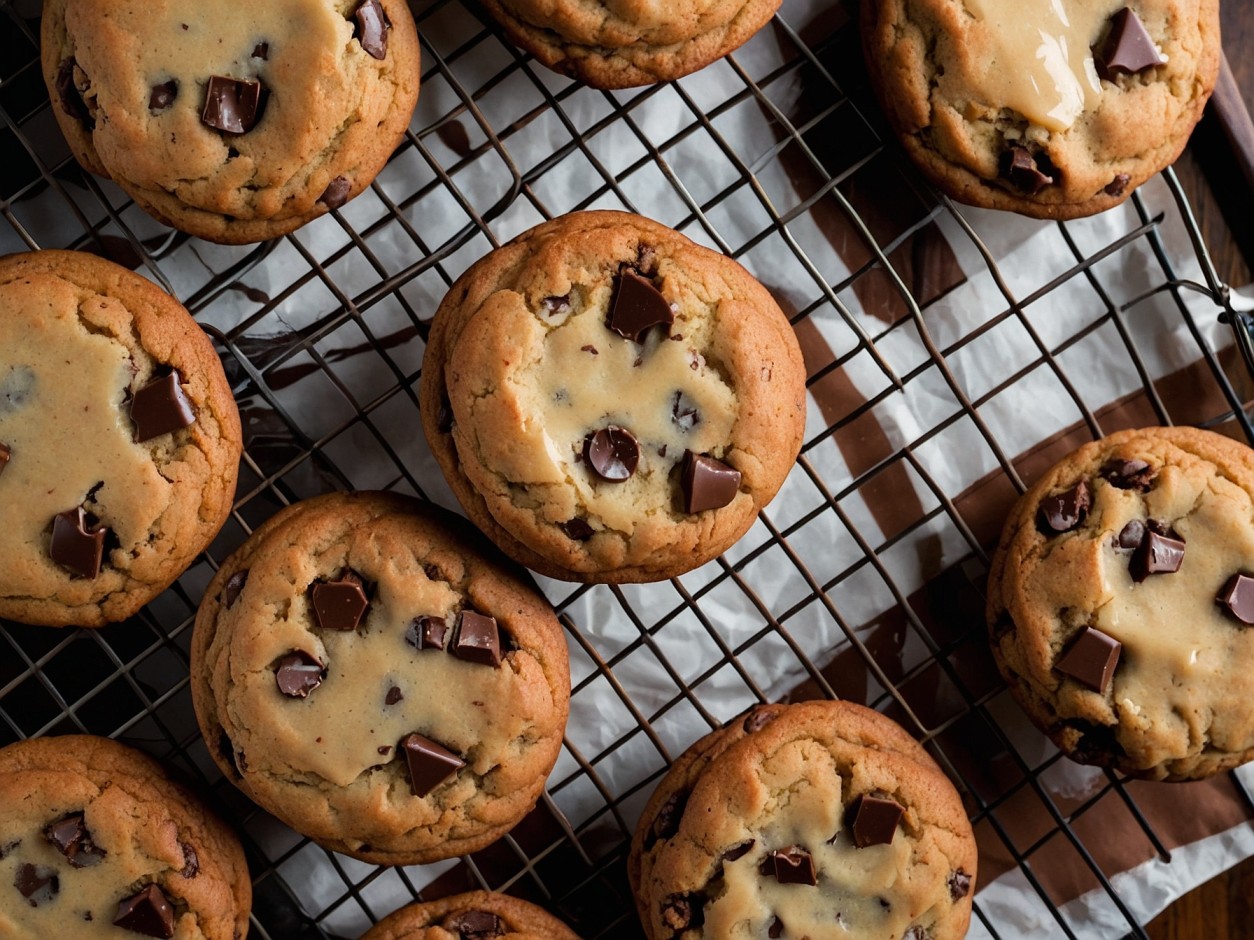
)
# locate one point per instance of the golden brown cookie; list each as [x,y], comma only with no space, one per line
[96,841]
[609,401]
[384,684]
[800,820]
[233,122]
[119,440]
[477,915]
[1054,110]
[1121,603]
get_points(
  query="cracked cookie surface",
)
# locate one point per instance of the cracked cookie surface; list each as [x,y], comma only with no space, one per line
[476,914]
[339,678]
[87,824]
[609,401]
[1037,107]
[318,94]
[84,347]
[765,828]
[1136,541]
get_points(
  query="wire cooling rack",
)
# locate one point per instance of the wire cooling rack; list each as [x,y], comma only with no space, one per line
[775,157]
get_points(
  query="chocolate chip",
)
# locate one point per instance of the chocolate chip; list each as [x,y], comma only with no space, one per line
[394,695]
[372,28]
[430,764]
[666,823]
[1128,48]
[163,95]
[6,454]
[1119,185]
[1024,171]
[261,51]
[427,633]
[336,193]
[234,586]
[1130,535]
[739,850]
[776,929]
[684,413]
[444,417]
[577,529]
[757,719]
[478,639]
[682,911]
[707,483]
[637,307]
[873,820]
[297,674]
[340,604]
[191,861]
[149,913]
[959,885]
[385,749]
[161,407]
[37,883]
[1091,659]
[1161,552]
[232,105]
[74,546]
[556,306]
[612,452]
[1128,474]
[793,866]
[1065,511]
[71,98]
[1238,597]
[475,925]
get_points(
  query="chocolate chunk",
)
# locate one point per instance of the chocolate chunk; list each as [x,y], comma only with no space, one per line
[589,348]
[1238,597]
[1119,185]
[873,820]
[1128,48]
[1024,171]
[1161,552]
[739,850]
[1130,535]
[637,307]
[1128,474]
[666,822]
[234,585]
[149,913]
[340,604]
[474,925]
[707,483]
[71,98]
[1091,659]
[161,407]
[612,452]
[577,529]
[427,633]
[74,546]
[792,866]
[430,764]
[1064,512]
[6,454]
[163,95]
[385,749]
[757,719]
[478,639]
[776,929]
[959,885]
[261,51]
[684,413]
[37,883]
[336,193]
[681,911]
[297,674]
[556,306]
[191,861]
[394,695]
[372,28]
[232,105]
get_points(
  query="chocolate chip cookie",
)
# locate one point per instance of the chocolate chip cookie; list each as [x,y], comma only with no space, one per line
[1054,110]
[800,820]
[119,440]
[609,401]
[97,841]
[233,122]
[620,45]
[478,915]
[387,687]
[1121,608]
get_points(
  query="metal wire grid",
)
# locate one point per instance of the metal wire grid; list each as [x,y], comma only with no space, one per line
[341,320]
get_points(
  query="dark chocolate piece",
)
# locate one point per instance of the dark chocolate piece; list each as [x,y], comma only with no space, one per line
[191,861]
[1091,659]
[613,453]
[430,764]
[262,51]
[577,529]
[163,95]
[475,925]
[234,585]
[336,193]
[1065,511]
[1131,535]
[1119,185]
[681,911]
[297,674]
[339,604]
[71,97]
[74,546]
[739,850]
[758,719]
[556,306]
[589,348]
[776,929]
[873,820]
[1128,474]
[149,913]
[1022,169]
[637,307]
[232,105]
[1128,48]
[707,483]
[792,866]
[959,885]
[666,822]
[684,413]
[394,695]
[37,883]
[161,407]
[6,454]
[1161,552]
[427,633]
[372,28]
[478,639]
[1238,597]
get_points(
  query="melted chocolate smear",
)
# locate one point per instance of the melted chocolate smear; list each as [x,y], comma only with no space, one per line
[706,483]
[234,585]
[149,913]
[297,674]
[1024,171]
[336,193]
[74,546]
[232,105]
[372,28]
[1238,597]
[37,883]
[1064,512]
[70,97]
[738,851]
[430,764]
[637,307]
[1091,659]
[613,453]
[1128,48]
[163,95]
[161,407]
